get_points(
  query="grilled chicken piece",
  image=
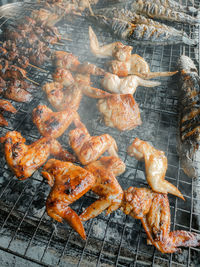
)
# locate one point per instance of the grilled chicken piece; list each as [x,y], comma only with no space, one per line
[117,50]
[90,68]
[106,186]
[69,182]
[61,97]
[120,111]
[126,85]
[155,166]
[5,106]
[52,124]
[137,66]
[63,76]
[24,159]
[154,212]
[16,92]
[90,148]
[45,17]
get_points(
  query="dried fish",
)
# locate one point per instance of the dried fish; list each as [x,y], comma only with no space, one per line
[154,9]
[149,32]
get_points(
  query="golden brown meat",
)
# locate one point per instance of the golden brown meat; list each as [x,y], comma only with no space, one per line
[117,50]
[90,148]
[155,166]
[135,65]
[24,159]
[69,182]
[52,124]
[106,186]
[154,212]
[5,106]
[63,76]
[61,97]
[120,111]
[17,93]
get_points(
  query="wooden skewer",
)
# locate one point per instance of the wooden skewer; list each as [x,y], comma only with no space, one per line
[67,39]
[32,81]
[56,43]
[37,67]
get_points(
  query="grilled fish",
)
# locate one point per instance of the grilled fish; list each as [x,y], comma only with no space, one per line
[154,9]
[144,32]
[189,117]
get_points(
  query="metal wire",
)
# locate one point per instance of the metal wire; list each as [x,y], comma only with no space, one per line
[116,240]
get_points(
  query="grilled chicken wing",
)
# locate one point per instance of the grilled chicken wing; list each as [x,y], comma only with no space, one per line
[90,148]
[155,166]
[5,106]
[63,76]
[69,182]
[52,124]
[106,186]
[117,50]
[126,85]
[154,212]
[120,111]
[24,159]
[137,66]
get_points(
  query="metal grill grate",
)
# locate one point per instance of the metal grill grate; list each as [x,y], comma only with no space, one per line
[115,240]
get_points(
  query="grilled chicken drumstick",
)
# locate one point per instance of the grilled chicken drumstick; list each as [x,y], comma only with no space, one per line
[90,148]
[24,159]
[69,182]
[126,85]
[106,186]
[52,124]
[120,111]
[155,166]
[5,106]
[154,212]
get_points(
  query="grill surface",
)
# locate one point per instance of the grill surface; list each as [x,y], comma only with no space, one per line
[115,240]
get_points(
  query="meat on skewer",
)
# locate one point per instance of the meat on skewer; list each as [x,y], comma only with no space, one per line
[24,159]
[5,106]
[154,212]
[69,182]
[155,166]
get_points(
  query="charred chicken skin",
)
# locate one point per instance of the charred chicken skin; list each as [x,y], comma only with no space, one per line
[120,111]
[154,212]
[155,166]
[24,159]
[69,182]
[90,148]
[106,186]
[5,106]
[52,124]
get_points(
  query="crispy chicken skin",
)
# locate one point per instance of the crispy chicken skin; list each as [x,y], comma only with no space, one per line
[5,106]
[52,124]
[117,50]
[154,212]
[106,186]
[135,65]
[120,111]
[126,85]
[69,182]
[90,148]
[63,76]
[155,166]
[24,159]
[16,92]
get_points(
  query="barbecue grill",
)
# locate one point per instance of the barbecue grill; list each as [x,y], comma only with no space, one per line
[28,236]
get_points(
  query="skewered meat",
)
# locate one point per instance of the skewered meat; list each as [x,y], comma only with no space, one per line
[117,50]
[126,85]
[45,17]
[189,110]
[153,9]
[61,97]
[155,166]
[120,111]
[52,124]
[141,30]
[90,148]
[5,106]
[154,212]
[25,160]
[137,66]
[89,68]
[106,186]
[69,182]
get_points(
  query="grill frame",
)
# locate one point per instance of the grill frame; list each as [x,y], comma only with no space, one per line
[56,244]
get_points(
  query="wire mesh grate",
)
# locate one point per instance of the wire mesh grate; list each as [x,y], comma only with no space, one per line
[114,240]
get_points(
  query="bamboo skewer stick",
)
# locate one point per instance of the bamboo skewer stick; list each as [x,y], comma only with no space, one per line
[37,67]
[32,81]
[66,39]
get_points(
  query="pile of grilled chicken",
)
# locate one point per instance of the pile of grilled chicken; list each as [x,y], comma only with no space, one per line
[98,173]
